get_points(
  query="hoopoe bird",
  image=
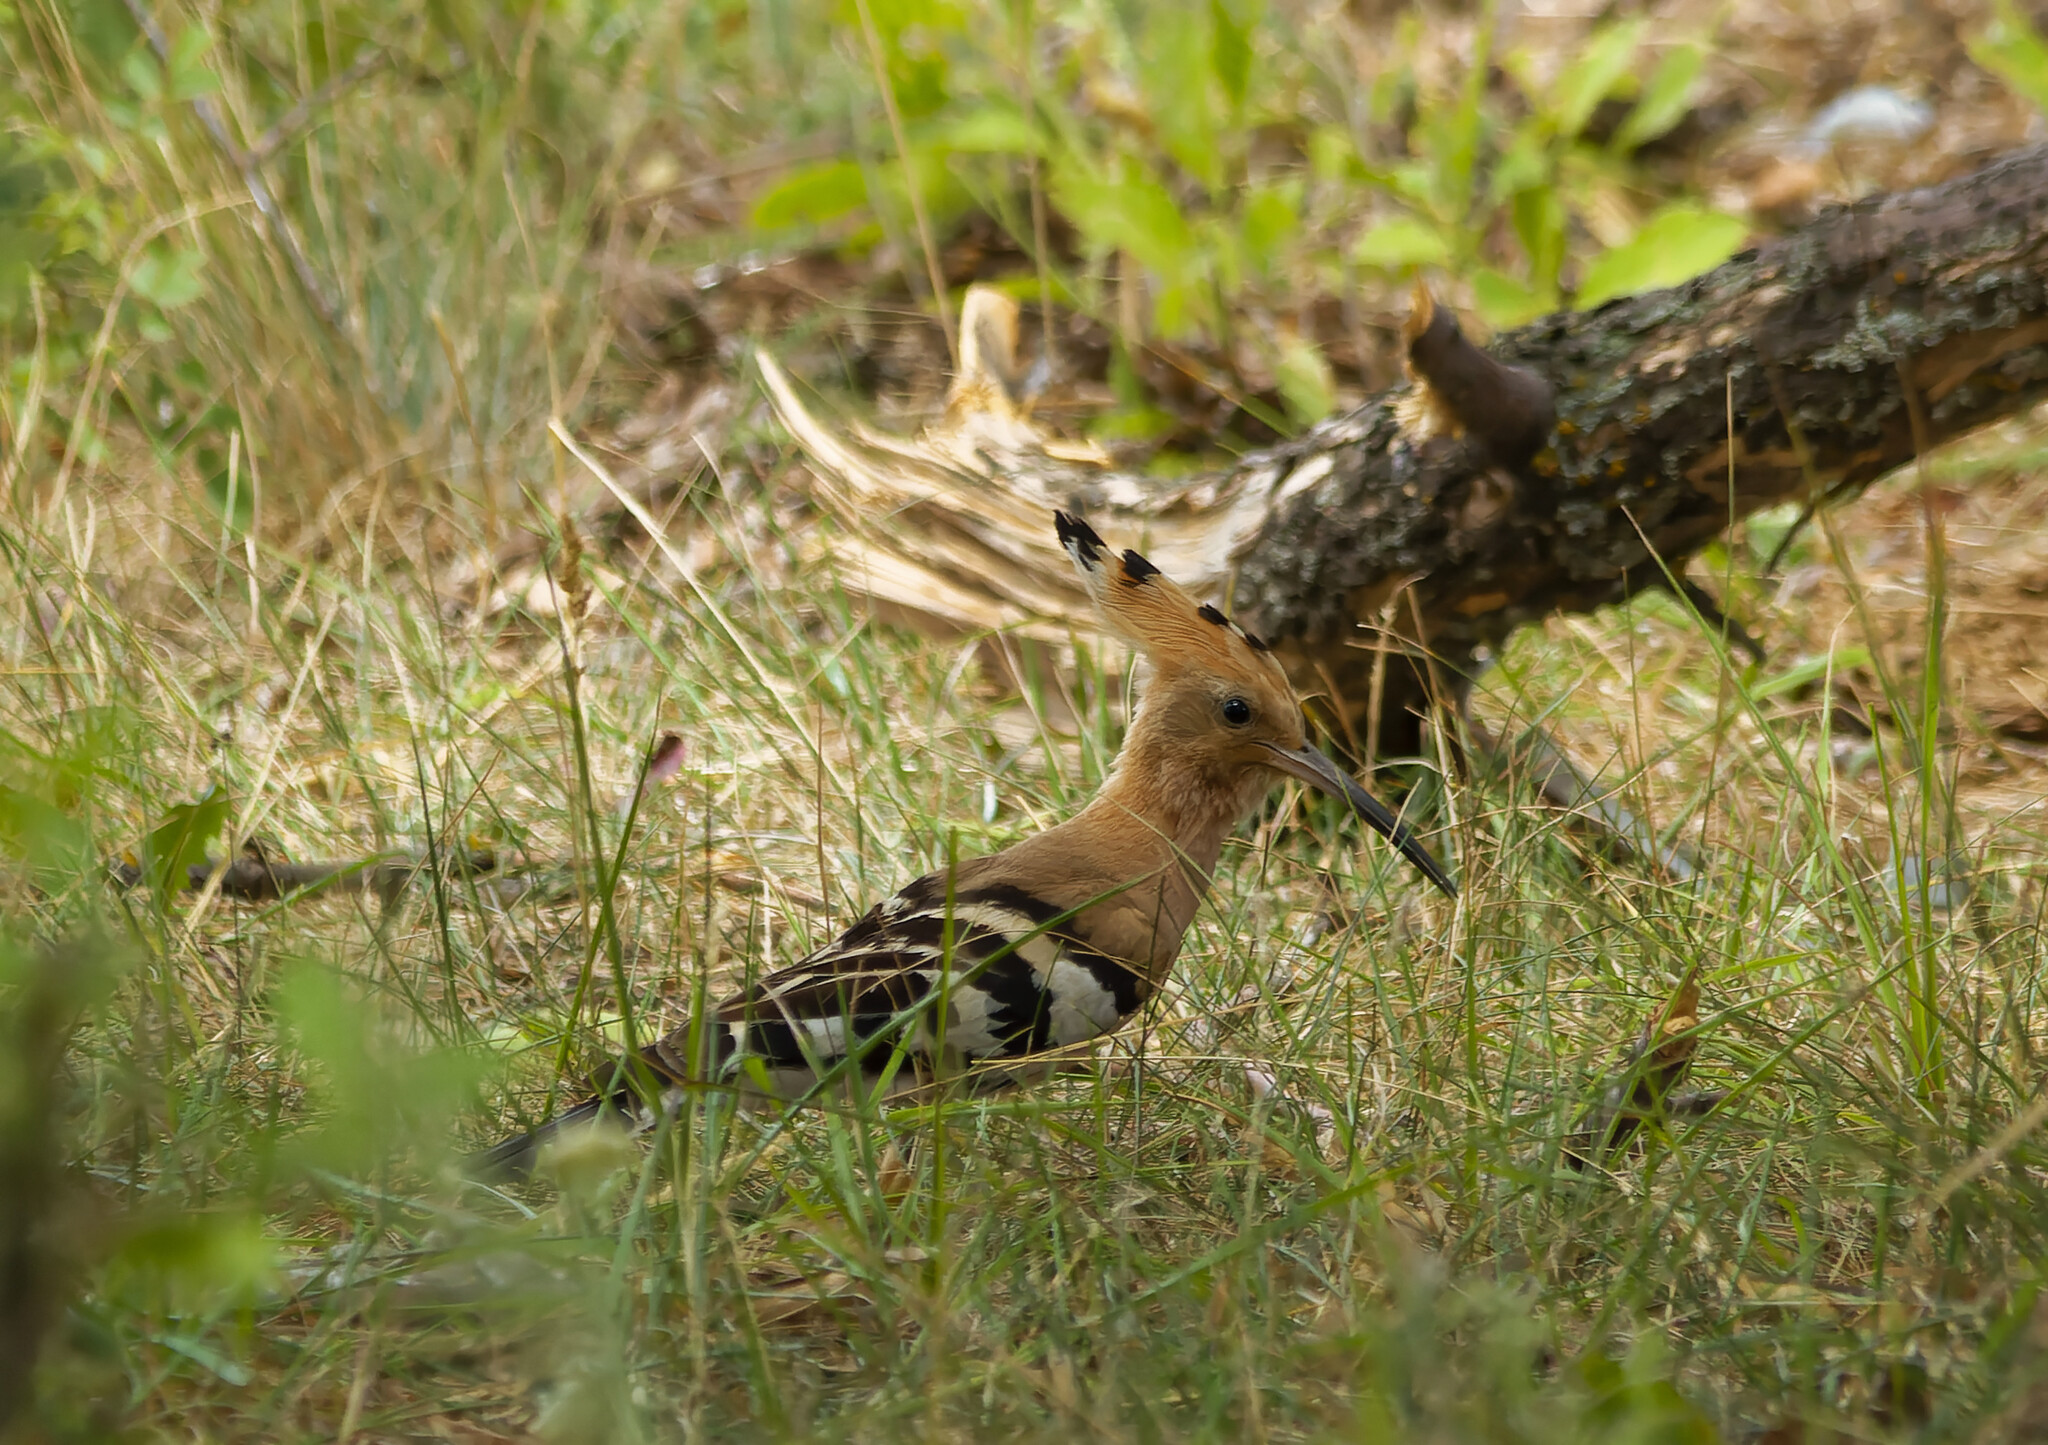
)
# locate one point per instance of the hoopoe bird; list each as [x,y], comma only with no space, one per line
[1056,940]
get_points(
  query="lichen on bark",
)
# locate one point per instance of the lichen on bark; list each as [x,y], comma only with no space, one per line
[1809,342]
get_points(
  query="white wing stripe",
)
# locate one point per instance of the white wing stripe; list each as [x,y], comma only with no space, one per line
[1082,1008]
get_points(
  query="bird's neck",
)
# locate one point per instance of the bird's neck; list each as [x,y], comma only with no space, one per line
[1146,847]
[1180,809]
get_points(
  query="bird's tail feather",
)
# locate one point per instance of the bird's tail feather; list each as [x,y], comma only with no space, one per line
[515,1157]
[611,1092]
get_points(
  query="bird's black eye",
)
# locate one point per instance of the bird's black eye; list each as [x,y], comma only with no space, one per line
[1236,711]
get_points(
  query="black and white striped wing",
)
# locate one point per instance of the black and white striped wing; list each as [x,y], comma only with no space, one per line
[1011,981]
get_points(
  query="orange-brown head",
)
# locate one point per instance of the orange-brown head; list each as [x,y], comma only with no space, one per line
[1217,717]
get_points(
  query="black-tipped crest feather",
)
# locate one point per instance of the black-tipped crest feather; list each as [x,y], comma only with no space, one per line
[1079,539]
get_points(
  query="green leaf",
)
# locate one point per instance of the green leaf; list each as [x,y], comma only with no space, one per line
[1331,153]
[2011,49]
[43,836]
[187,65]
[206,1357]
[1132,424]
[189,1262]
[140,70]
[1183,108]
[1307,385]
[237,510]
[168,276]
[1219,242]
[991,130]
[1666,96]
[1593,76]
[1677,244]
[374,1090]
[1804,674]
[1134,417]
[178,844]
[1450,137]
[1539,220]
[1231,52]
[812,195]
[1410,181]
[1401,242]
[1525,163]
[104,29]
[1272,216]
[1502,301]
[24,249]
[1137,215]
[1182,308]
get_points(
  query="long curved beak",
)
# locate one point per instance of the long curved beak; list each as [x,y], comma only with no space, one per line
[1309,765]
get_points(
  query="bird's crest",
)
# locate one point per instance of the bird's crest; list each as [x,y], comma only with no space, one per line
[1155,614]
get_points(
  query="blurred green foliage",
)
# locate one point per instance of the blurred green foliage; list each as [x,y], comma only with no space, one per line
[1221,158]
[378,1087]
[1213,156]
[2011,48]
[1519,160]
[277,289]
[1205,144]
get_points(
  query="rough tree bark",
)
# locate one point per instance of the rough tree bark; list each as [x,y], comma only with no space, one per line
[1840,351]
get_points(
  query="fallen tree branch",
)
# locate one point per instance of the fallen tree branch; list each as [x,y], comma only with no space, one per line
[1810,343]
[256,875]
